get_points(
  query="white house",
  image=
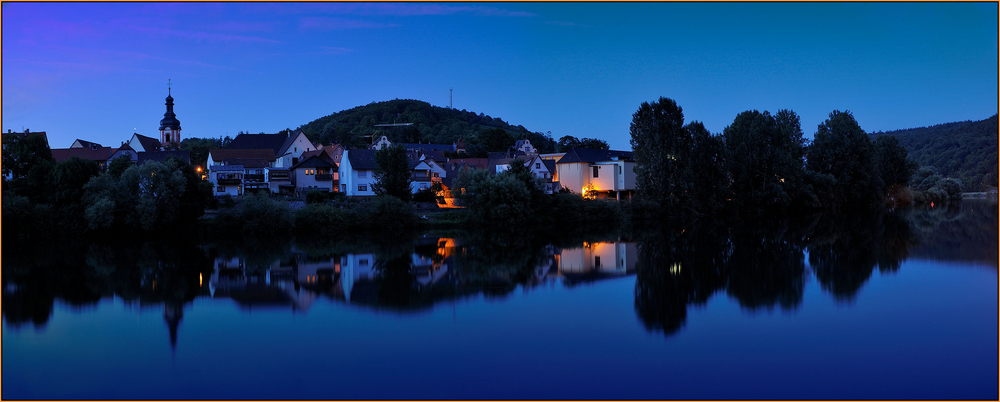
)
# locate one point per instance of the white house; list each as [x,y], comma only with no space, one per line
[422,178]
[357,172]
[608,173]
[227,179]
[292,149]
[525,146]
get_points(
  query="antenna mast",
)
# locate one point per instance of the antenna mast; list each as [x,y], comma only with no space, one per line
[451,105]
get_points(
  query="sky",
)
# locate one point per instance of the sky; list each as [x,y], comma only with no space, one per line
[99,71]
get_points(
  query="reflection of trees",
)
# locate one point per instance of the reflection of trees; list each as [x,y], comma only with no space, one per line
[962,231]
[82,273]
[676,267]
[844,250]
[766,267]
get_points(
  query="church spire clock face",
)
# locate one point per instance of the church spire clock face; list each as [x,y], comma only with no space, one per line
[170,127]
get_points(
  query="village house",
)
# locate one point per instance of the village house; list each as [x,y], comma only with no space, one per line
[357,172]
[607,173]
[316,171]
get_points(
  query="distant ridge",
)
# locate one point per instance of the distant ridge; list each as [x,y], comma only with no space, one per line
[965,150]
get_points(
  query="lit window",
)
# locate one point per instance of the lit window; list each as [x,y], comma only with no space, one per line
[336,175]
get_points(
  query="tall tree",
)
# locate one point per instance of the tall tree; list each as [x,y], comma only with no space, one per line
[841,149]
[892,163]
[765,158]
[567,142]
[708,168]
[393,175]
[661,146]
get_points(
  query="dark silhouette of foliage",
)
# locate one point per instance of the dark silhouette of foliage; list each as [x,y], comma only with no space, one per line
[965,150]
[841,149]
[661,147]
[393,175]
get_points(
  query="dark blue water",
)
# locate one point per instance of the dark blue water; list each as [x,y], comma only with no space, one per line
[795,311]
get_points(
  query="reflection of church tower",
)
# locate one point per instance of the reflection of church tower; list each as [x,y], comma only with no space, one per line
[170,127]
[172,314]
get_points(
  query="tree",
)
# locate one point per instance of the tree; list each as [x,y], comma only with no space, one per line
[660,147]
[764,154]
[568,142]
[393,175]
[708,168]
[496,140]
[594,143]
[841,149]
[28,161]
[891,162]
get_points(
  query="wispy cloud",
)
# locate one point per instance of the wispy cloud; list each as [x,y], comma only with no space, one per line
[332,23]
[391,9]
[205,36]
[564,23]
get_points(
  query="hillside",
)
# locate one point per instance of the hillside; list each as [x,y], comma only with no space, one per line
[431,124]
[965,150]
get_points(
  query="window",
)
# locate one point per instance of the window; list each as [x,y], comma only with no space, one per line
[336,175]
[362,174]
[295,161]
[597,261]
[538,166]
[363,261]
[423,186]
[362,188]
[437,175]
[596,169]
[343,188]
[222,189]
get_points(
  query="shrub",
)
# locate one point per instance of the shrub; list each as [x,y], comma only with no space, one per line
[386,213]
[316,196]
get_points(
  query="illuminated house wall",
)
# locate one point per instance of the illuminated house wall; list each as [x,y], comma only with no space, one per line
[609,257]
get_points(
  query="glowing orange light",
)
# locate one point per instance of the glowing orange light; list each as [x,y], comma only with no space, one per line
[199,279]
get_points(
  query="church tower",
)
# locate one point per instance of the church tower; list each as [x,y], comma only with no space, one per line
[170,127]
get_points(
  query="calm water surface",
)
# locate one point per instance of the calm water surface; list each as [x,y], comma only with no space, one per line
[897,306]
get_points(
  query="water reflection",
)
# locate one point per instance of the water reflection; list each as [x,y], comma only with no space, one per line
[760,265]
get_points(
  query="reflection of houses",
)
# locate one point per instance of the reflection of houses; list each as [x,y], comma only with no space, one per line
[597,260]
[272,286]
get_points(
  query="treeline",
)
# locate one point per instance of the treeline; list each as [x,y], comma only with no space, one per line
[966,150]
[762,164]
[431,125]
[74,197]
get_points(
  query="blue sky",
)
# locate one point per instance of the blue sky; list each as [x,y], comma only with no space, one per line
[99,71]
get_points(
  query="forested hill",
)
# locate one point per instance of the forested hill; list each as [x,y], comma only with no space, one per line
[431,124]
[964,150]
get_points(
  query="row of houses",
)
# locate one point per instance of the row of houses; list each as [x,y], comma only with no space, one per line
[291,163]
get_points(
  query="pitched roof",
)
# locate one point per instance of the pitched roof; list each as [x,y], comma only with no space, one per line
[273,142]
[27,133]
[149,144]
[315,160]
[219,154]
[362,159]
[584,155]
[549,164]
[100,154]
[85,144]
[480,163]
[247,162]
[161,156]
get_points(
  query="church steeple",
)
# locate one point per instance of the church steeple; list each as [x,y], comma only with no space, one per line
[170,127]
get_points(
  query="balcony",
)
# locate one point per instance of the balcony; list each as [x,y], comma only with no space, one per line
[324,177]
[223,182]
[421,177]
[276,176]
[253,177]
